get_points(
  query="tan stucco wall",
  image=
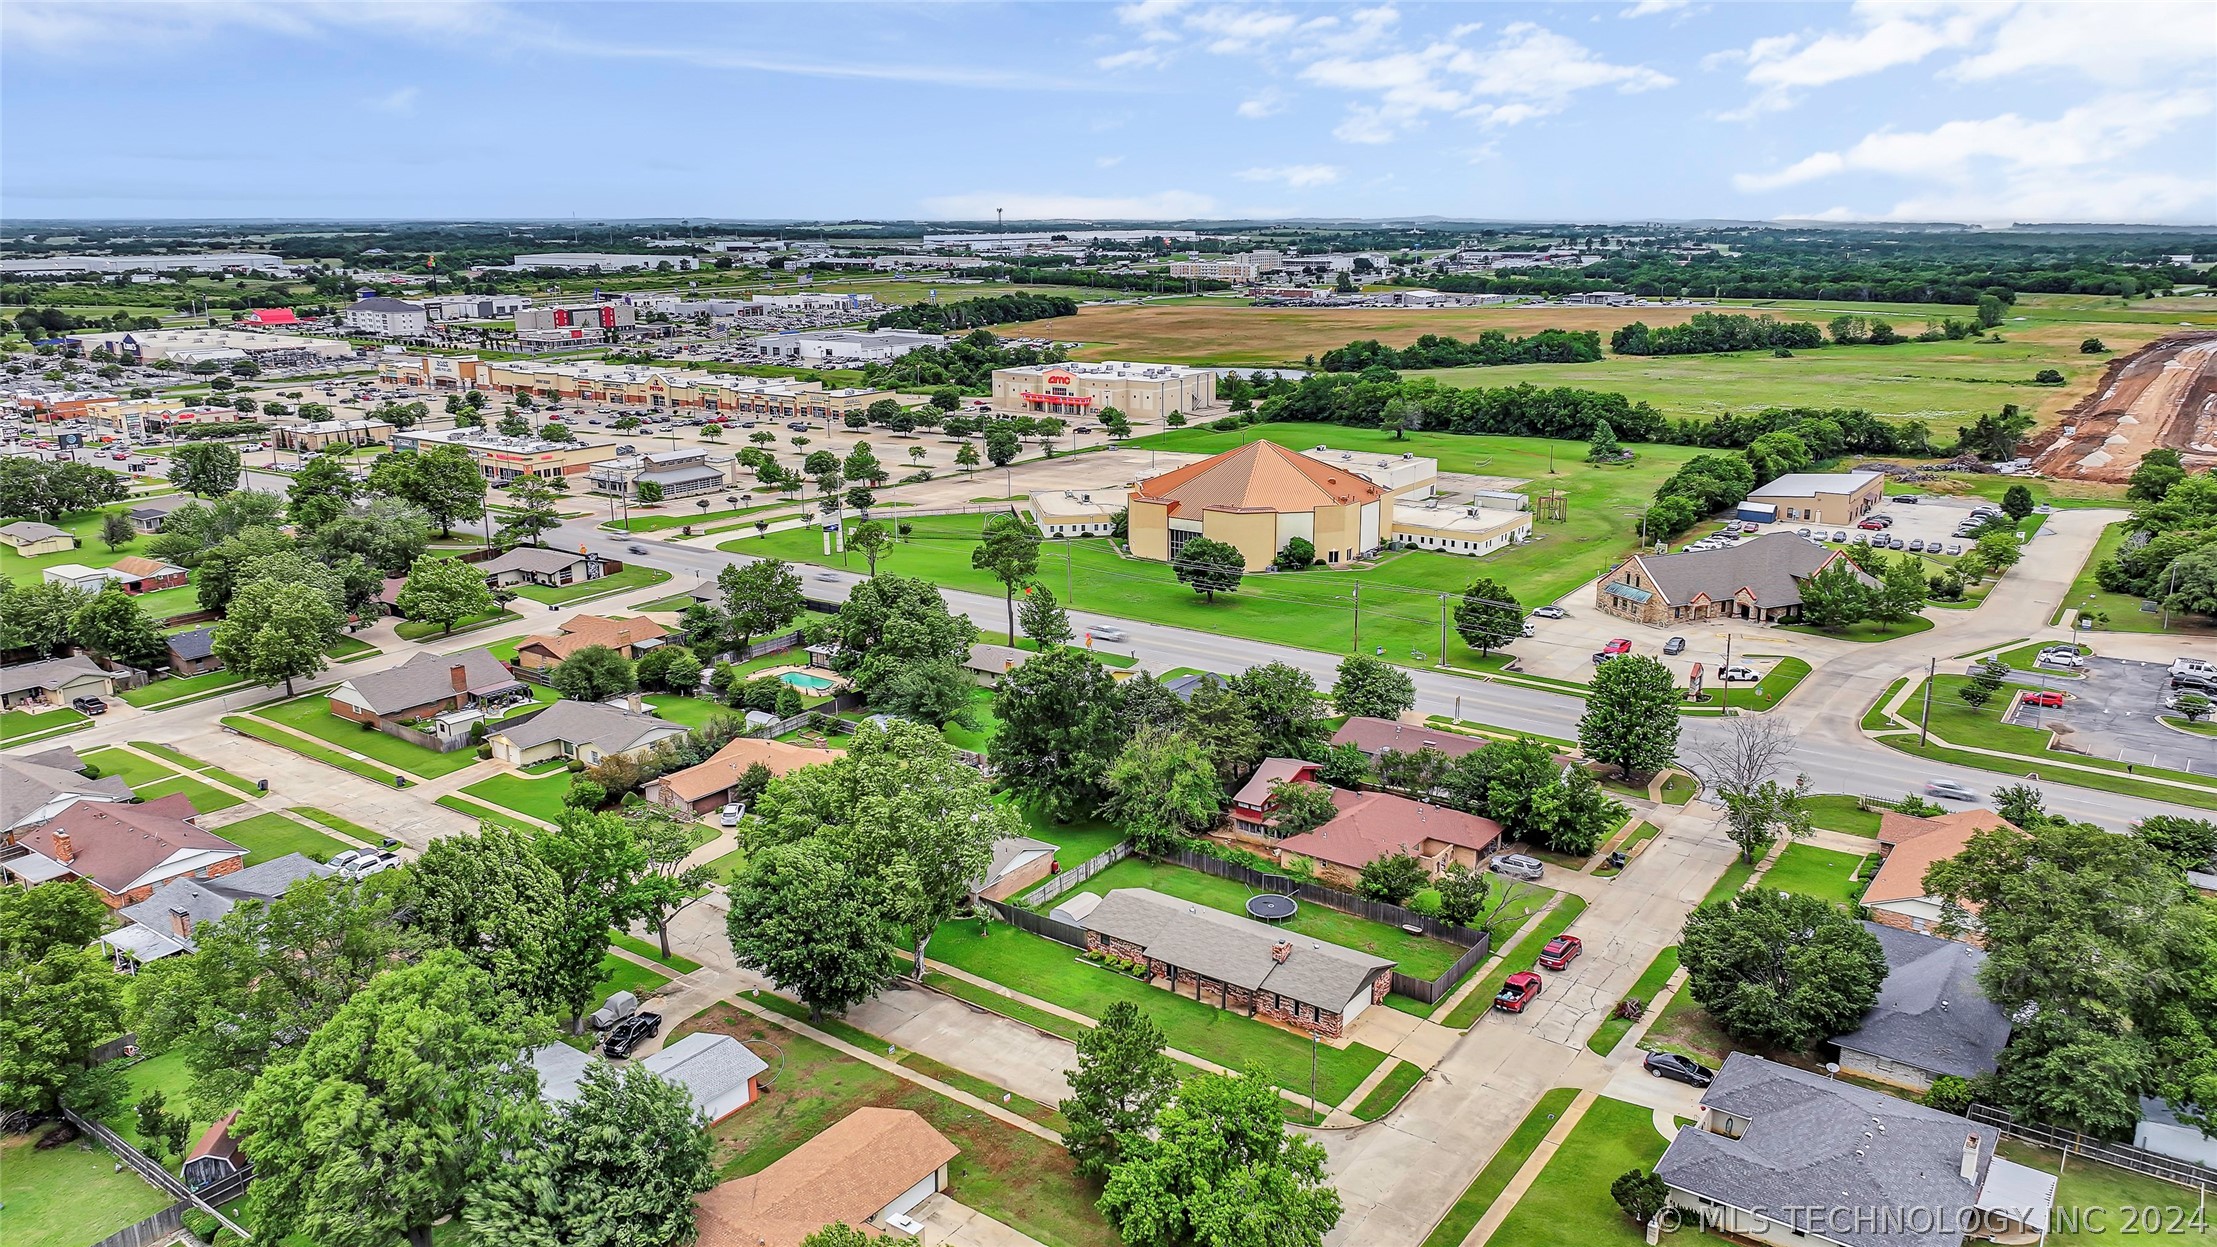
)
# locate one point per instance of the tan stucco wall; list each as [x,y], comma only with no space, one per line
[1148,524]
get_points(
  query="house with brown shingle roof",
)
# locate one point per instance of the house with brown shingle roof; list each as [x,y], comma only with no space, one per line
[1909,846]
[144,575]
[124,851]
[1375,736]
[1757,580]
[699,789]
[1257,498]
[870,1167]
[1371,825]
[630,637]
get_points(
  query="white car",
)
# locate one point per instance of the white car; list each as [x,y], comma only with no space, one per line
[1742,674]
[2061,658]
[730,815]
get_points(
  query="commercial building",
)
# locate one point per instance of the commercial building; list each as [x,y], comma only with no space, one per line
[1837,498]
[575,319]
[598,262]
[135,419]
[319,434]
[998,241]
[814,301]
[1758,580]
[677,473]
[948,263]
[635,385]
[444,307]
[1145,393]
[204,262]
[192,346]
[389,318]
[842,346]
[501,459]
[1076,512]
[431,372]
[1242,269]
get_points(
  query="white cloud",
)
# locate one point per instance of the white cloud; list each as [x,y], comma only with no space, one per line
[1298,177]
[1030,206]
[401,101]
[1133,58]
[1268,102]
[2113,43]
[1107,162]
[1886,35]
[1528,72]
[1649,8]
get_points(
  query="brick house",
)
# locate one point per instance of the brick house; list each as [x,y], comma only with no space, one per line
[1255,805]
[193,652]
[1758,580]
[1375,736]
[1931,1019]
[1262,971]
[1371,825]
[700,789]
[629,637]
[144,575]
[124,851]
[1908,846]
[425,686]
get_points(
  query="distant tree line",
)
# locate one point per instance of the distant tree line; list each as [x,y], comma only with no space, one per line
[1709,332]
[998,309]
[1493,347]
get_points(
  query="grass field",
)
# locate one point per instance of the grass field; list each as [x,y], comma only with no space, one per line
[482,812]
[343,826]
[539,798]
[2123,609]
[1382,1098]
[1652,980]
[206,798]
[1806,870]
[1052,972]
[312,715]
[1476,1198]
[269,835]
[1520,956]
[2096,1204]
[68,1196]
[618,974]
[19,725]
[633,576]
[185,761]
[653,952]
[1568,1205]
[415,630]
[1835,812]
[180,688]
[1960,723]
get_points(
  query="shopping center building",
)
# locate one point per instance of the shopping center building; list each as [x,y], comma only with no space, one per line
[1145,393]
[638,385]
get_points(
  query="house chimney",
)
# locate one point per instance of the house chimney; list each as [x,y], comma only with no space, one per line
[460,676]
[64,851]
[180,923]
[637,707]
[623,637]
[1970,1158]
[1280,951]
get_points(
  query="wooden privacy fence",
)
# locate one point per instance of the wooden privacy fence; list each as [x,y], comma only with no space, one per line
[161,1228]
[1038,924]
[2121,1155]
[1068,879]
[148,1168]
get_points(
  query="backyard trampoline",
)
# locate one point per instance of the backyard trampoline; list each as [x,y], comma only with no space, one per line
[1271,907]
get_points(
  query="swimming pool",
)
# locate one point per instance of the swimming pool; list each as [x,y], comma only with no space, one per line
[804,681]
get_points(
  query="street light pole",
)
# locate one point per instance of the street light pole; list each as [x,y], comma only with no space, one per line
[1924,722]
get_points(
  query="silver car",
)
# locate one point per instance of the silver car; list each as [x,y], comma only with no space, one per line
[1949,790]
[1519,866]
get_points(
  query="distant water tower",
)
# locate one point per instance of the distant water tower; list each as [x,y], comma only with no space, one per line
[998,222]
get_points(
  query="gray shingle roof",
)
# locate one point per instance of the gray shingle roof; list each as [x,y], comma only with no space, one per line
[208,900]
[1930,1012]
[31,530]
[1006,851]
[50,673]
[1812,1142]
[1772,566]
[28,785]
[428,678]
[589,723]
[194,645]
[1234,950]
[530,559]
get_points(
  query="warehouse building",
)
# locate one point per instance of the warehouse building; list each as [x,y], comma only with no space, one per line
[575,316]
[1145,393]
[598,262]
[842,346]
[204,262]
[1837,498]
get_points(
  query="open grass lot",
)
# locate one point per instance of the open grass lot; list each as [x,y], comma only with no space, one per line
[206,798]
[539,798]
[179,758]
[129,767]
[312,715]
[1019,1179]
[1783,677]
[67,1196]
[1652,980]
[1416,955]
[17,725]
[179,688]
[2098,1204]
[343,826]
[1806,870]
[1520,956]
[482,812]
[1476,1198]
[1568,1205]
[685,711]
[1052,972]
[1834,812]
[1079,841]
[265,836]
[414,630]
[632,576]
[1868,631]
[2123,609]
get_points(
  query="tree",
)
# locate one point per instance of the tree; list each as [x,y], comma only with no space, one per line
[1778,454]
[1221,1170]
[1392,879]
[890,621]
[38,617]
[650,493]
[1739,766]
[1043,619]
[1225,726]
[2016,502]
[1372,688]
[666,885]
[63,1002]
[1285,708]
[1059,732]
[2000,549]
[759,598]
[1343,766]
[277,631]
[320,492]
[1002,445]
[388,534]
[222,569]
[936,691]
[1488,616]
[444,591]
[872,540]
[443,482]
[1836,597]
[1631,719]
[1602,446]
[1209,566]
[1641,1194]
[1009,552]
[838,1234]
[112,626]
[1297,555]
[966,458]
[204,469]
[162,1131]
[617,1166]
[2048,376]
[1901,593]
[811,923]
[861,464]
[1119,1087]
[1986,680]
[1781,968]
[1990,311]
[2188,843]
[2159,470]
[56,915]
[1462,894]
[593,673]
[1301,807]
[117,531]
[534,516]
[363,1139]
[2193,583]
[1163,788]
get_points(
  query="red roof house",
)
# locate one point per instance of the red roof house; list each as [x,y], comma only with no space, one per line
[270,316]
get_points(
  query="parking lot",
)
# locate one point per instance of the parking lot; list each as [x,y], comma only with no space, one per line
[2113,713]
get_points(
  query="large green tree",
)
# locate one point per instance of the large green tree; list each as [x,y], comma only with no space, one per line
[490,895]
[61,1001]
[1631,719]
[600,865]
[1043,619]
[113,626]
[1902,593]
[889,621]
[1488,616]
[444,591]
[1209,566]
[1285,707]
[1836,597]
[413,1092]
[760,597]
[443,481]
[1122,1080]
[1781,968]
[1372,688]
[204,469]
[1163,787]
[277,631]
[1009,552]
[320,492]
[534,515]
[1059,732]
[816,927]
[593,673]
[1221,1170]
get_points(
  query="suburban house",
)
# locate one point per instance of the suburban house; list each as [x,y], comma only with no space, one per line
[629,637]
[1371,825]
[1931,1019]
[868,1170]
[445,692]
[1019,862]
[720,1073]
[1268,973]
[1255,805]
[124,851]
[700,789]
[1758,580]
[151,513]
[1835,498]
[2161,1131]
[134,574]
[1183,687]
[1908,846]
[530,565]
[589,731]
[1375,736]
[35,787]
[54,682]
[1788,1157]
[32,539]
[77,576]
[193,652]
[164,924]
[988,663]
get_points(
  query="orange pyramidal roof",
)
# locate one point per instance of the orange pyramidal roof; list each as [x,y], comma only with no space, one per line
[1260,476]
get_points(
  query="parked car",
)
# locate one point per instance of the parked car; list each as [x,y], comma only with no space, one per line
[1742,674]
[729,815]
[1801,532]
[1519,866]
[1895,543]
[1521,989]
[344,858]
[1954,547]
[1875,522]
[618,1007]
[1949,789]
[1681,1069]
[1561,951]
[1617,645]
[2039,697]
[1549,612]
[1676,645]
[88,705]
[1839,534]
[2064,657]
[1916,546]
[629,1034]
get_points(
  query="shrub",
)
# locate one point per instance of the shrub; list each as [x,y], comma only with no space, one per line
[203,1225]
[1949,1094]
[1631,1008]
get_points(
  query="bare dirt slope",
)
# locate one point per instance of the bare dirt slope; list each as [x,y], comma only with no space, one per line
[2161,396]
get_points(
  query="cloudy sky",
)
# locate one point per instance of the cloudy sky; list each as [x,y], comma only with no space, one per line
[1633,109]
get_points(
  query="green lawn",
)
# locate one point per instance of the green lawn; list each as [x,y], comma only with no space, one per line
[2110,776]
[1783,677]
[633,576]
[421,630]
[2026,658]
[1835,812]
[537,798]
[720,868]
[1734,878]
[312,715]
[617,974]
[180,688]
[1079,841]
[1052,972]
[1382,1099]
[16,725]
[309,749]
[1476,1198]
[68,1196]
[206,798]
[2199,727]
[1806,870]
[1960,723]
[341,825]
[129,767]
[1868,630]
[652,951]
[347,649]
[1875,719]
[269,835]
[975,739]
[1520,956]
[166,1073]
[1652,980]
[1568,1205]
[179,757]
[1415,955]
[482,812]
[693,712]
[1679,788]
[2086,595]
[2097,1204]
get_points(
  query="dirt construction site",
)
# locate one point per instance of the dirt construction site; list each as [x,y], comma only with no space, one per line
[2163,396]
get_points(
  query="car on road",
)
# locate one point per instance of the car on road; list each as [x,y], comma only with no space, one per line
[1742,674]
[88,705]
[1519,866]
[1521,989]
[2046,697]
[636,549]
[1949,790]
[629,1034]
[1676,645]
[1550,612]
[1561,951]
[1677,1068]
[1108,632]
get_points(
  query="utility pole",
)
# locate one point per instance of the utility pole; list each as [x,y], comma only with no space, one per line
[1924,723]
[1443,630]
[1357,597]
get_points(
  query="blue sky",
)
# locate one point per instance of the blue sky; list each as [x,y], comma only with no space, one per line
[1629,110]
